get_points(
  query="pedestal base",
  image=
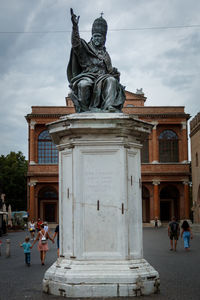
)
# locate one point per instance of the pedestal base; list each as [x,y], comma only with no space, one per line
[81,279]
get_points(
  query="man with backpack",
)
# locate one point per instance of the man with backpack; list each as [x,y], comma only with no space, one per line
[173,233]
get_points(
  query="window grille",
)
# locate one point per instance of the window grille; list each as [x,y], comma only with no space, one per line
[47,152]
[168,146]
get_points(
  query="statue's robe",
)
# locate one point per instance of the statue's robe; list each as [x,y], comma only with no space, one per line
[86,62]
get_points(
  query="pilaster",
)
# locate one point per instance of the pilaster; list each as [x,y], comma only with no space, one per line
[155,154]
[156,199]
[186,199]
[184,147]
[32,142]
[32,200]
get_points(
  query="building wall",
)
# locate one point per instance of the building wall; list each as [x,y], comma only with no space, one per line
[164,184]
[195,160]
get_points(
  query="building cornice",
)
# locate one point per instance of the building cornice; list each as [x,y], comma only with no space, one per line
[160,116]
[42,174]
[195,129]
[30,116]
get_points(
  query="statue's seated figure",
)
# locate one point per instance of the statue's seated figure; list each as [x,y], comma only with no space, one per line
[93,81]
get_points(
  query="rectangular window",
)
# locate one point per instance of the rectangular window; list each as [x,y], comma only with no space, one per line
[145,152]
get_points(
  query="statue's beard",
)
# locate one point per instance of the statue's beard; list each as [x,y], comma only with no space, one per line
[97,43]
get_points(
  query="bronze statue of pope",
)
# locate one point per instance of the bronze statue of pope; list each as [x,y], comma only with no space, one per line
[94,83]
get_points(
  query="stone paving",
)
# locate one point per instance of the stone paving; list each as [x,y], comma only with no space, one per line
[179,271]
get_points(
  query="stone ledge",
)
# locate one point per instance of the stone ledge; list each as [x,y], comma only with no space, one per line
[71,278]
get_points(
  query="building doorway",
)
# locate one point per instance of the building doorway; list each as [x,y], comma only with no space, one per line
[165,210]
[49,212]
[48,205]
[169,203]
[145,205]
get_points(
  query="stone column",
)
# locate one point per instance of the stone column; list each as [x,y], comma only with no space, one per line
[183,150]
[32,143]
[156,199]
[151,205]
[186,199]
[32,200]
[155,153]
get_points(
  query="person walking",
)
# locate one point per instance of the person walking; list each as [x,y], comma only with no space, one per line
[156,222]
[186,233]
[58,243]
[42,237]
[39,223]
[173,233]
[27,250]
[46,227]
[32,229]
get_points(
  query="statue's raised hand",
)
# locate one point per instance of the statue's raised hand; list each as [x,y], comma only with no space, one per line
[74,18]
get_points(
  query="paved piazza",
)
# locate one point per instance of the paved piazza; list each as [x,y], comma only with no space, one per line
[179,271]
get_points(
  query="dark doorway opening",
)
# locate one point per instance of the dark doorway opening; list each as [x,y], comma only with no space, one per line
[169,203]
[48,204]
[145,205]
[50,212]
[165,208]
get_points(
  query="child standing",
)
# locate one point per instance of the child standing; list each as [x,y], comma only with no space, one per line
[27,251]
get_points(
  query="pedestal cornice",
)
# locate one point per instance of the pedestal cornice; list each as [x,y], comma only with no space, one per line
[118,124]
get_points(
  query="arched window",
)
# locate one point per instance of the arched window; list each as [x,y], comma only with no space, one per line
[47,152]
[168,146]
[48,194]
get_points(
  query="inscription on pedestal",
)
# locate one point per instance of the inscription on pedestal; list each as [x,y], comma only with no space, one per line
[98,182]
[101,204]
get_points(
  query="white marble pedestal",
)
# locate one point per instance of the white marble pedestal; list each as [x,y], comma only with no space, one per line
[100,208]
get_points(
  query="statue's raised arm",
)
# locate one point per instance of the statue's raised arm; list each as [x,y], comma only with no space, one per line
[75,31]
[74,18]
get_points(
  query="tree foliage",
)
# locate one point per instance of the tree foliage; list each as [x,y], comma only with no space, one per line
[13,171]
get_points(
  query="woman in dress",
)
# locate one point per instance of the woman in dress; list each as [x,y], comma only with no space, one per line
[186,234]
[42,237]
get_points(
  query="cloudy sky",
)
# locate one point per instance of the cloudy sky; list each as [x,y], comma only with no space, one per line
[155,45]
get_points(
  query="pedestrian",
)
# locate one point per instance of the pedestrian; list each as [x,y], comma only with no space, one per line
[42,237]
[156,222]
[39,223]
[58,243]
[32,229]
[173,233]
[27,250]
[46,227]
[186,233]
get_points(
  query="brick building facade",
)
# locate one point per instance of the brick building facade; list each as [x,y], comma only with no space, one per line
[195,160]
[165,166]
